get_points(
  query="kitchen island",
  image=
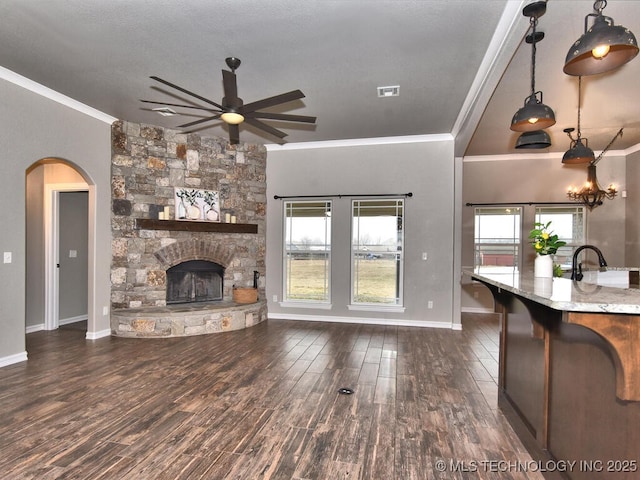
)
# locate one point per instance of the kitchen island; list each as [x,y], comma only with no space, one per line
[569,378]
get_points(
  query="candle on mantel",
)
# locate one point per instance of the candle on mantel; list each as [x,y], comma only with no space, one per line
[160,215]
[167,215]
[227,217]
[233,219]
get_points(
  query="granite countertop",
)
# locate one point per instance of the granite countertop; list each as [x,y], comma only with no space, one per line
[564,294]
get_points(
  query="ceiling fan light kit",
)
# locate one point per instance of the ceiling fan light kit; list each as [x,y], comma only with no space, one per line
[233,111]
[232,118]
[602,48]
[534,115]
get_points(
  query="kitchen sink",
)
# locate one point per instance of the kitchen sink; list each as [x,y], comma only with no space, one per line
[612,278]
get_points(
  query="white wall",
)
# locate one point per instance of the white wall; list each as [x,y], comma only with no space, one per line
[32,128]
[426,169]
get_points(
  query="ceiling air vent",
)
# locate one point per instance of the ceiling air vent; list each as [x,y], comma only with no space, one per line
[393,91]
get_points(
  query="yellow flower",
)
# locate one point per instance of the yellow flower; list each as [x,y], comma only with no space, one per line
[545,236]
[538,246]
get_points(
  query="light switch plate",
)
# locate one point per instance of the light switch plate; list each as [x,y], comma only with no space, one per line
[73,253]
[7,257]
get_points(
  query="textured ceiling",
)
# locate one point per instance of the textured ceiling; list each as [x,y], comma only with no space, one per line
[451,58]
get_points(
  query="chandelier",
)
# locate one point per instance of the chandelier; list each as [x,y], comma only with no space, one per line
[592,194]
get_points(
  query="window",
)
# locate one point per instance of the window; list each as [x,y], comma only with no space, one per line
[376,252]
[307,247]
[568,223]
[497,239]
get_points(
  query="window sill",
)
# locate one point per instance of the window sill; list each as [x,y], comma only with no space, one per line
[314,305]
[377,308]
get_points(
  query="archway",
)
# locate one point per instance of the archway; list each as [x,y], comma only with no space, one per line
[46,180]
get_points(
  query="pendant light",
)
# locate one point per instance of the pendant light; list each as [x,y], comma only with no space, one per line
[534,115]
[533,140]
[602,48]
[578,152]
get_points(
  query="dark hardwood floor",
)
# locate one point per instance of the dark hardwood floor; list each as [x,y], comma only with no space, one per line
[261,403]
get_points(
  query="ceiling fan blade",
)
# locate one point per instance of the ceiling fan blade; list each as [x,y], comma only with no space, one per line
[183,90]
[234,134]
[271,101]
[267,128]
[197,122]
[230,87]
[281,116]
[181,106]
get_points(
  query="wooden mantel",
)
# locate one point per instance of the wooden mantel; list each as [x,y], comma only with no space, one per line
[194,226]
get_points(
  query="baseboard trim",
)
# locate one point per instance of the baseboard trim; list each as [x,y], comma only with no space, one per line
[98,334]
[362,320]
[34,328]
[476,310]
[78,318]
[11,359]
[65,321]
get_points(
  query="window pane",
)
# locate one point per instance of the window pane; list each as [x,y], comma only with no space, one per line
[376,251]
[497,239]
[307,251]
[568,224]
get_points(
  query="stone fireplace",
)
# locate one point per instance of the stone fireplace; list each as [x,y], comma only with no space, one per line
[176,277]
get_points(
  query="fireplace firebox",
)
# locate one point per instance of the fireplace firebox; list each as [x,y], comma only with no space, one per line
[195,281]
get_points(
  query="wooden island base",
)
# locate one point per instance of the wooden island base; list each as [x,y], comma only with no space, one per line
[569,383]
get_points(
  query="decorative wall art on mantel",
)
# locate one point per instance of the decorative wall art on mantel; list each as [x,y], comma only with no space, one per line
[196,204]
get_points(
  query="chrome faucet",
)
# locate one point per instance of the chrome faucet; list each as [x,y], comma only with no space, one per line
[576,268]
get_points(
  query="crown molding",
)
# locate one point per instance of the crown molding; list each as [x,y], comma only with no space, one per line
[543,156]
[46,92]
[359,142]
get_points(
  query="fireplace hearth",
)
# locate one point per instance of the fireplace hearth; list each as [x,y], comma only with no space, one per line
[195,281]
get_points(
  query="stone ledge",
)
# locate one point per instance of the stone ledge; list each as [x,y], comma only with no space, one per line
[183,320]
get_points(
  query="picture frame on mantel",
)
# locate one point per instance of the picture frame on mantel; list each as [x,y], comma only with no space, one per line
[193,204]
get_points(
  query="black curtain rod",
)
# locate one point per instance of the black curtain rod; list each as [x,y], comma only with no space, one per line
[507,204]
[280,197]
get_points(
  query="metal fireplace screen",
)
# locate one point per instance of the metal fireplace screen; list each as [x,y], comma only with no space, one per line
[194,281]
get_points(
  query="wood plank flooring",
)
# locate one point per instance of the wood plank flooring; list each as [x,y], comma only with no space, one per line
[260,403]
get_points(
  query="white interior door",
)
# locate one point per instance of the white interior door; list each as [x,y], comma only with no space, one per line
[53,254]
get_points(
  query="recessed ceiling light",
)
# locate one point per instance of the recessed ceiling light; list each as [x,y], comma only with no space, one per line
[392,91]
[165,111]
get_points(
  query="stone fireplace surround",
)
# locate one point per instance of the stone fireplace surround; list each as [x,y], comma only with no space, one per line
[147,163]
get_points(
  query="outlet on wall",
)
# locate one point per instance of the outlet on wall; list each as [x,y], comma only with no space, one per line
[430,304]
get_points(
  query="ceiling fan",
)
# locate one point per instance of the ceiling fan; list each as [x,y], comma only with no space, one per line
[233,111]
